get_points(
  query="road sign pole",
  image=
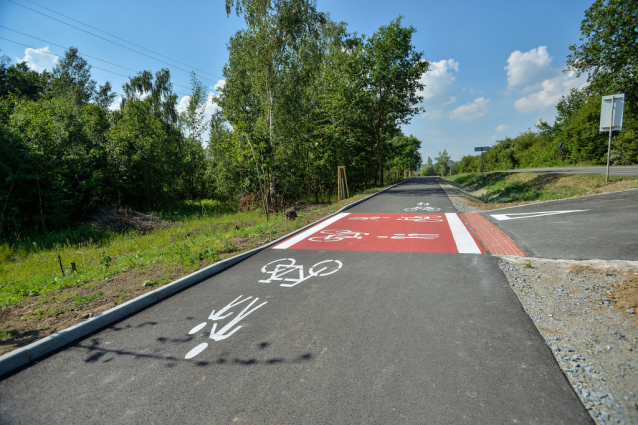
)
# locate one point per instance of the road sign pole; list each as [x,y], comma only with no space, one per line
[611,126]
[481,166]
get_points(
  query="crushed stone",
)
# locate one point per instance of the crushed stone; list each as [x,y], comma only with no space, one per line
[592,338]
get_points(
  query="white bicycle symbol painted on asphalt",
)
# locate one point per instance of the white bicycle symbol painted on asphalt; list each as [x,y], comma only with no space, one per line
[335,235]
[422,206]
[295,272]
[423,218]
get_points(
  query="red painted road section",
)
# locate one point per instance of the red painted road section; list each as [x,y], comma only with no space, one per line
[492,238]
[389,232]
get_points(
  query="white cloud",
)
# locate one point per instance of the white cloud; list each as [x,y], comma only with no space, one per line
[38,60]
[530,74]
[551,90]
[502,127]
[219,85]
[470,111]
[439,80]
[116,104]
[434,114]
[183,104]
[529,67]
[450,101]
[211,105]
[437,133]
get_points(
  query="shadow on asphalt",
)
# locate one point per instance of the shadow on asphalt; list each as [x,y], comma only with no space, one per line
[97,353]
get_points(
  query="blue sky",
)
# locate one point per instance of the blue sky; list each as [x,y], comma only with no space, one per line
[496,66]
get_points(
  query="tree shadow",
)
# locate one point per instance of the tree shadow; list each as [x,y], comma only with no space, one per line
[96,352]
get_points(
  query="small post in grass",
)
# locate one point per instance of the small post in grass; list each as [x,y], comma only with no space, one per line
[61,268]
[342,183]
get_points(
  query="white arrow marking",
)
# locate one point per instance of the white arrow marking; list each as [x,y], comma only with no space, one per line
[218,336]
[501,217]
[218,315]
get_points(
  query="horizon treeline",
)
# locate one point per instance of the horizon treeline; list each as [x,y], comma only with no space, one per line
[608,56]
[302,96]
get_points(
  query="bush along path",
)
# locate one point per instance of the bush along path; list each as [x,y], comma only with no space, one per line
[38,299]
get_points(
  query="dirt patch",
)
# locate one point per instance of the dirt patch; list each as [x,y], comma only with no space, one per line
[625,295]
[36,319]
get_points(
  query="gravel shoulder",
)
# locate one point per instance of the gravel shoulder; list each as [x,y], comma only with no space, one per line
[587,313]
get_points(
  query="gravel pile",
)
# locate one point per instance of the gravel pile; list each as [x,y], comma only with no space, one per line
[572,305]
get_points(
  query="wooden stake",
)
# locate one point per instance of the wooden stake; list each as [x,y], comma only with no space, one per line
[342,183]
[61,268]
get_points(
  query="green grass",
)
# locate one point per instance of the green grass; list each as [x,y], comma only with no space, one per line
[498,187]
[197,236]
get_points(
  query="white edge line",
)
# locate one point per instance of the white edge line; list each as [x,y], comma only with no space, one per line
[465,243]
[301,236]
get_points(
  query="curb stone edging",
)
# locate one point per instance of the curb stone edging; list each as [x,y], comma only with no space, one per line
[593,262]
[24,355]
[455,186]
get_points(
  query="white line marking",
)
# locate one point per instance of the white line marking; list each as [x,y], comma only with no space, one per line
[501,217]
[303,235]
[465,243]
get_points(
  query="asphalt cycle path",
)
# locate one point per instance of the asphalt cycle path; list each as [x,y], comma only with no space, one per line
[601,227]
[324,335]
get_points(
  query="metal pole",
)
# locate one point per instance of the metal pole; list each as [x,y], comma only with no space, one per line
[481,166]
[611,123]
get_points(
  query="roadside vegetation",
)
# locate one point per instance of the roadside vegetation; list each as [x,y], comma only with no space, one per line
[498,189]
[607,55]
[37,297]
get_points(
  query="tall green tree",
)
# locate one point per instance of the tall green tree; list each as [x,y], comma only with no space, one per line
[390,70]
[609,49]
[71,76]
[274,53]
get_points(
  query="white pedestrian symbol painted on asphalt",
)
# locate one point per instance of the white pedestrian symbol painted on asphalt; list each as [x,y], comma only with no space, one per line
[295,273]
[225,332]
[422,206]
[514,216]
[423,218]
[410,236]
[336,235]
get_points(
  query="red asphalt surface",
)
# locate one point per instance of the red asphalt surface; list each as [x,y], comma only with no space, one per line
[389,232]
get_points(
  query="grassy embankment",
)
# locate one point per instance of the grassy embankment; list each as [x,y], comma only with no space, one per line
[36,299]
[502,189]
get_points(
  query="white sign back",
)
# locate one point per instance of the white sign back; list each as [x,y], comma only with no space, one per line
[606,111]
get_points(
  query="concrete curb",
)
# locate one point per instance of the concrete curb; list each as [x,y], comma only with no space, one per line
[601,264]
[456,187]
[22,356]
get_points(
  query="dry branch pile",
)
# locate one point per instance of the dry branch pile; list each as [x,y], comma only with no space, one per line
[120,219]
[252,201]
